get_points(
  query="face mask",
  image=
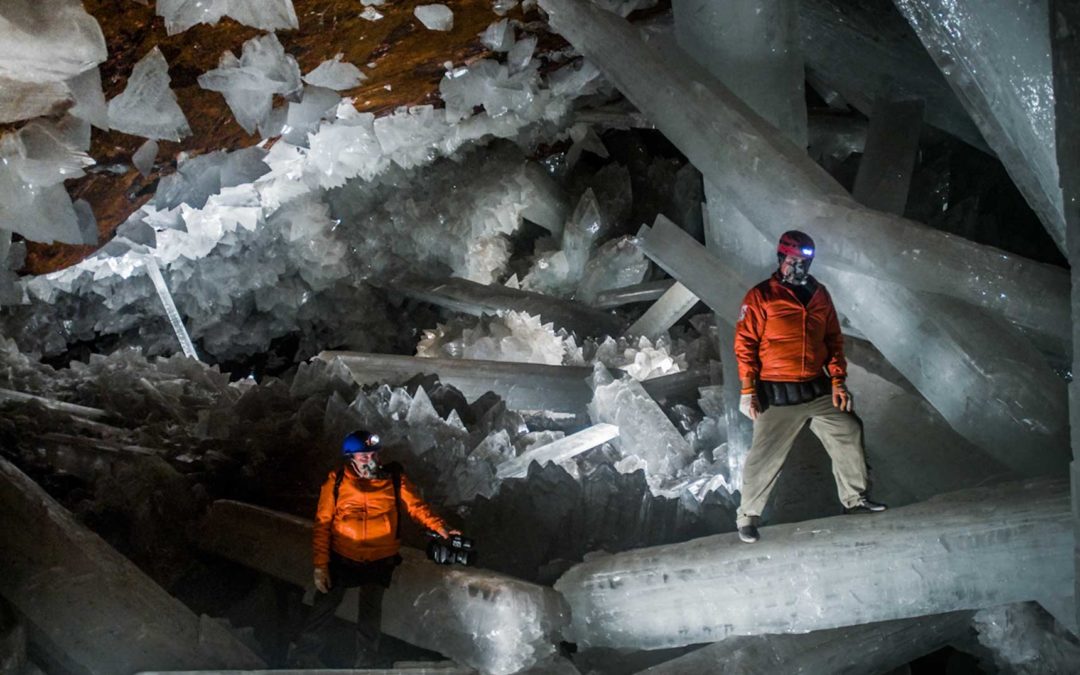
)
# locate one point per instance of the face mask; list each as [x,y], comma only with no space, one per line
[365,469]
[795,271]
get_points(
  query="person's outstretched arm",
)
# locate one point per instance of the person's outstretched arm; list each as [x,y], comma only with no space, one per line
[420,511]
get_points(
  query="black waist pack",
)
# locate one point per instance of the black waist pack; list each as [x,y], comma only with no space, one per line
[792,393]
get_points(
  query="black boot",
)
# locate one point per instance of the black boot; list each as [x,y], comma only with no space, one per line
[749,534]
[864,505]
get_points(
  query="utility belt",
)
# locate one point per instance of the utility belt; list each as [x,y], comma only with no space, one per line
[792,393]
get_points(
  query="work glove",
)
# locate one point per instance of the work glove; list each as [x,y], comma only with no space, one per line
[322,579]
[749,405]
[841,397]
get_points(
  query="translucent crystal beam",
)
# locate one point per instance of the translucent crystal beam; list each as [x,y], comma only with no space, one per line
[154,272]
[996,56]
[92,609]
[470,297]
[890,60]
[1065,29]
[647,291]
[775,184]
[888,160]
[954,552]
[870,648]
[524,386]
[557,451]
[492,622]
[664,313]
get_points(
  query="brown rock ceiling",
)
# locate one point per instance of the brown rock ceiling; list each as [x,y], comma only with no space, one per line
[406,56]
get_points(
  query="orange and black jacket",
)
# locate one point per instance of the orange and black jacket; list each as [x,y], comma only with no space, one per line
[362,525]
[778,339]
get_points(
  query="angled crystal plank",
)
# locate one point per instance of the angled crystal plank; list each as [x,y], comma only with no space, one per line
[177,322]
[647,291]
[996,56]
[959,551]
[664,313]
[864,49]
[888,160]
[524,386]
[93,610]
[489,621]
[470,297]
[557,451]
[777,186]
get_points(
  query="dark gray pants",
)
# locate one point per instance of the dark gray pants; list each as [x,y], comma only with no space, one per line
[372,578]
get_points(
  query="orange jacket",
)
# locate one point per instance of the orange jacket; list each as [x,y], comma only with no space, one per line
[362,525]
[780,340]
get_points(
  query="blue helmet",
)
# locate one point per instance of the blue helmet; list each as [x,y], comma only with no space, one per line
[360,441]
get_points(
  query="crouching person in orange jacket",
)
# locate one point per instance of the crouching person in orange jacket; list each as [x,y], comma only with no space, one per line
[790,354]
[356,541]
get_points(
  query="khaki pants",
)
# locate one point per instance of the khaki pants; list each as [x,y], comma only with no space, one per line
[774,434]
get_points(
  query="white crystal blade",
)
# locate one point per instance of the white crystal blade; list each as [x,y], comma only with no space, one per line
[560,450]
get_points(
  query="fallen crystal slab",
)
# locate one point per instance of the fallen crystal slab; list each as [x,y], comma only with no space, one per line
[472,298]
[48,40]
[665,312]
[70,408]
[560,450]
[46,573]
[870,648]
[996,56]
[766,165]
[147,107]
[489,621]
[954,552]
[524,386]
[435,17]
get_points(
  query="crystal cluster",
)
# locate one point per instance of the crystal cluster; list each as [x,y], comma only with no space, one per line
[517,336]
[267,15]
[250,82]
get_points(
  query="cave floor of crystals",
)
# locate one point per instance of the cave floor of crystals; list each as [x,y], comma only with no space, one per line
[512,238]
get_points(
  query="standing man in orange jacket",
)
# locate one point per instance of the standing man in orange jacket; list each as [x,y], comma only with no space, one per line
[792,369]
[356,540]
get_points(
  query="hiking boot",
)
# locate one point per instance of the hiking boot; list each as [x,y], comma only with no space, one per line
[864,505]
[749,534]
